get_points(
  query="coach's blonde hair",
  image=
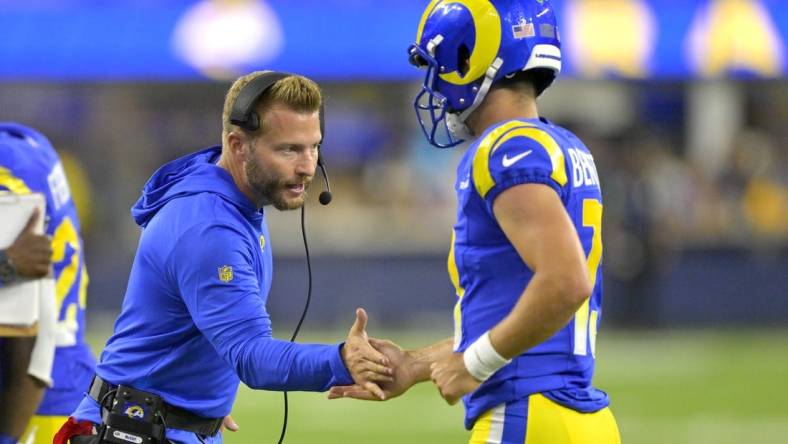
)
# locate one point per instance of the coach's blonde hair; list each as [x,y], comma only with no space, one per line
[296,92]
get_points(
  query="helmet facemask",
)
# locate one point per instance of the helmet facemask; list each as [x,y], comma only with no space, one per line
[432,107]
[443,126]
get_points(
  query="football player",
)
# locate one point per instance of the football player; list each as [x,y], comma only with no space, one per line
[526,250]
[29,164]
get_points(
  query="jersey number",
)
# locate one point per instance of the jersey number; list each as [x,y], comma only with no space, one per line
[585,319]
[66,236]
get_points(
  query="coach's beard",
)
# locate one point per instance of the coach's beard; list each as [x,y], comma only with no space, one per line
[273,188]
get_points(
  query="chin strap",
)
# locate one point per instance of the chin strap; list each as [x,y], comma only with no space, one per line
[456,121]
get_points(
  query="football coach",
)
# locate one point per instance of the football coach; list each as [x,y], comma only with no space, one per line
[193,322]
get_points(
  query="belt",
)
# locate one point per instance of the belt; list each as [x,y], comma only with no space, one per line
[174,417]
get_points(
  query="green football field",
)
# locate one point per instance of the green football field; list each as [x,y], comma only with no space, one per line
[666,387]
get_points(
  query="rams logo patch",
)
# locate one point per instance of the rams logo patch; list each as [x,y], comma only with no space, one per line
[226,273]
[135,411]
[262,242]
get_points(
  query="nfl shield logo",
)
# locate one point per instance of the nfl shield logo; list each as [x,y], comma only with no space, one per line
[226,273]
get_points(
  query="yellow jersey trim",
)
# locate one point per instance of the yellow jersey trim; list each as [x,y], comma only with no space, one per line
[454,276]
[544,140]
[482,178]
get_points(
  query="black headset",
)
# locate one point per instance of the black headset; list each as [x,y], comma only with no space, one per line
[244,114]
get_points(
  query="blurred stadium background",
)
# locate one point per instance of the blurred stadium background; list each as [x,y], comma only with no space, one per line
[684,105]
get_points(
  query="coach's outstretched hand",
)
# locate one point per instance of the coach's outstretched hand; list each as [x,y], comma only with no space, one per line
[404,376]
[367,366]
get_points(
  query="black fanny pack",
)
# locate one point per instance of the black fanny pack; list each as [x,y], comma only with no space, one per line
[138,417]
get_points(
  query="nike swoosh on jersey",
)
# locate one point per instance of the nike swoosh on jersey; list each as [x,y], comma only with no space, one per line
[509,161]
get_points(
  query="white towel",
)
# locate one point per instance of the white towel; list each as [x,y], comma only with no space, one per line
[44,351]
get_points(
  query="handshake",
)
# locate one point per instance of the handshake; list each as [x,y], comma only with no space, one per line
[382,370]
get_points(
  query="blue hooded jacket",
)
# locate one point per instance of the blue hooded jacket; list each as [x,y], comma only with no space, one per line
[194,320]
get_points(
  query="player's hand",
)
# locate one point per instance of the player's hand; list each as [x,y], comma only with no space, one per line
[31,253]
[403,376]
[452,378]
[229,424]
[367,366]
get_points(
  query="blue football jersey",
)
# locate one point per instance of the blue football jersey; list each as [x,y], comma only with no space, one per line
[29,164]
[489,275]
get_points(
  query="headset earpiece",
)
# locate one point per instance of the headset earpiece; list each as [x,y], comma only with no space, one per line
[244,114]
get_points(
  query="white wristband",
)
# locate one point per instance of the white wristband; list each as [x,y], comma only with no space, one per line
[482,360]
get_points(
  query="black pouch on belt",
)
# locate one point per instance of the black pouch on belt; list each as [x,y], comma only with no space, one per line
[135,417]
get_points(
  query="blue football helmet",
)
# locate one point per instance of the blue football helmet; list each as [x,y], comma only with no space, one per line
[467,46]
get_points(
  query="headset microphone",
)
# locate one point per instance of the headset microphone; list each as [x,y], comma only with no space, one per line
[244,115]
[325,196]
